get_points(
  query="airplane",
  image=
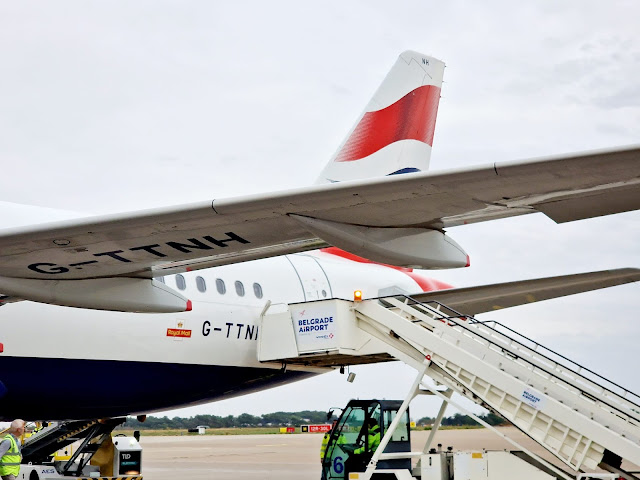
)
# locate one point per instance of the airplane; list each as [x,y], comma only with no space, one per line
[165,303]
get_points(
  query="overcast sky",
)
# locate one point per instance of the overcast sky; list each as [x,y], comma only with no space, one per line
[119,105]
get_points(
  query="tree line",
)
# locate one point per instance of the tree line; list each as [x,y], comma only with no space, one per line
[459,420]
[279,419]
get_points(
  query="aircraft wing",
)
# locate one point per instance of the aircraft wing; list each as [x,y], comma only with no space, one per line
[486,298]
[365,217]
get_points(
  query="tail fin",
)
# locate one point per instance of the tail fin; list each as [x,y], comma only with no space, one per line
[395,132]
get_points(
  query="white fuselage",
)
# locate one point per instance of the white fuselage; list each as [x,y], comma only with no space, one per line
[170,360]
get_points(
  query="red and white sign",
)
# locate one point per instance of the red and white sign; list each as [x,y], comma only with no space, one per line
[319,428]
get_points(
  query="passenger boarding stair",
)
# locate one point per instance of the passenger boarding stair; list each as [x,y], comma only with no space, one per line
[580,417]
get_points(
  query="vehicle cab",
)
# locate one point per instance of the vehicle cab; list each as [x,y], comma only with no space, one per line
[357,434]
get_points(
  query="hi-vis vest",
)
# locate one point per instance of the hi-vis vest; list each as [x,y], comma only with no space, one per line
[325,441]
[10,462]
[323,447]
[373,440]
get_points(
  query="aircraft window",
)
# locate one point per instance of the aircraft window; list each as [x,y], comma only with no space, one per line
[180,282]
[220,286]
[239,288]
[324,293]
[201,284]
[257,289]
[160,279]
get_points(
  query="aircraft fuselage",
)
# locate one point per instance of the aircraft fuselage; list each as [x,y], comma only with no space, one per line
[62,363]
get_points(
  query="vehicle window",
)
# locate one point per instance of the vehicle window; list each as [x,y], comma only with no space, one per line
[180,282]
[220,286]
[201,284]
[257,289]
[401,434]
[160,279]
[239,288]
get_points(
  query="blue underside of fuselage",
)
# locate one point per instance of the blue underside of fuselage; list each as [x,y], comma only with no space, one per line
[59,389]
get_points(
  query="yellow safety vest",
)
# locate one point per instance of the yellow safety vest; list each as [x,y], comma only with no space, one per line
[325,441]
[373,440]
[323,447]
[10,462]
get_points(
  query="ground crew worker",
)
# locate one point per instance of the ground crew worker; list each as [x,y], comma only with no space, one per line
[373,437]
[325,440]
[10,455]
[323,446]
[359,457]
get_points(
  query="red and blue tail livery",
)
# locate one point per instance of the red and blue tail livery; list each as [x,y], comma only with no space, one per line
[395,132]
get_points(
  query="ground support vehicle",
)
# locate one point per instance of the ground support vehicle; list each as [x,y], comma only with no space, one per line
[584,420]
[349,455]
[49,454]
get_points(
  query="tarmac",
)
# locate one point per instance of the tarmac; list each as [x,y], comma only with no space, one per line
[283,456]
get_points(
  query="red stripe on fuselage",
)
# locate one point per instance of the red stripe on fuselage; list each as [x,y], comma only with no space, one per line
[338,252]
[426,284]
[413,117]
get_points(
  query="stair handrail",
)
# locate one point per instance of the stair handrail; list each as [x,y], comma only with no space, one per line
[580,367]
[458,315]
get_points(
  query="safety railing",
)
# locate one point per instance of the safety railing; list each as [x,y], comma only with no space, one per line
[623,392]
[564,374]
